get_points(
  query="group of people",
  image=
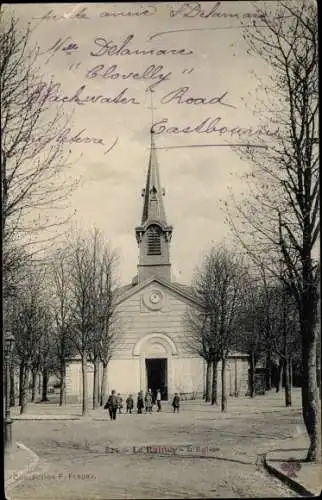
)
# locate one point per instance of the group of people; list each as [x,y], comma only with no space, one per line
[114,403]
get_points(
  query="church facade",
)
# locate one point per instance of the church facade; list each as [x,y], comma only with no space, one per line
[152,349]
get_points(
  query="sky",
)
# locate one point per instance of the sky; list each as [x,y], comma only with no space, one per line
[202,58]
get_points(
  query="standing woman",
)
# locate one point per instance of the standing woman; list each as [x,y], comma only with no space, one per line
[158,400]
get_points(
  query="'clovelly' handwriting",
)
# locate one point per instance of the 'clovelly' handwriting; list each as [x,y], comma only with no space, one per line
[155,73]
[209,125]
[54,94]
[179,96]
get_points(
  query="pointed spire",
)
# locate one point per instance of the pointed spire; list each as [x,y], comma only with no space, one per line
[153,208]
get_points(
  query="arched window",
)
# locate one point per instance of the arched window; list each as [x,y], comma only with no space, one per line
[154,240]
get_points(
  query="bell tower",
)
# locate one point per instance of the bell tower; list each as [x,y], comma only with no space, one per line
[154,234]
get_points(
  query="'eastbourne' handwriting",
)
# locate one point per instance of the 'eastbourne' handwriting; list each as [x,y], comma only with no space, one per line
[209,126]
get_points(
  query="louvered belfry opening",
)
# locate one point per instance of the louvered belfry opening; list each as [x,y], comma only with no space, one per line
[154,240]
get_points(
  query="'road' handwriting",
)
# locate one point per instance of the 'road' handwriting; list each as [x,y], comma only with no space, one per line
[179,96]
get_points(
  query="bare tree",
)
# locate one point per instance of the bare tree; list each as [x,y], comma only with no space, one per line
[81,332]
[250,330]
[107,321]
[48,358]
[92,305]
[218,287]
[282,211]
[103,312]
[61,306]
[33,163]
[197,342]
[28,319]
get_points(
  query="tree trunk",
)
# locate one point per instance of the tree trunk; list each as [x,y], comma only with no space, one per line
[310,395]
[62,389]
[21,380]
[236,379]
[96,383]
[39,383]
[12,401]
[291,371]
[24,380]
[44,385]
[268,371]
[287,386]
[34,386]
[85,388]
[318,366]
[252,388]
[214,391]
[104,385]
[223,385]
[208,382]
[279,376]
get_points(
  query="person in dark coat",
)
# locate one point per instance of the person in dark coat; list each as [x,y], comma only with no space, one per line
[129,404]
[140,402]
[111,405]
[176,403]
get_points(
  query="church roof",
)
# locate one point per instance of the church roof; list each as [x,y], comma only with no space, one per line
[153,207]
[183,290]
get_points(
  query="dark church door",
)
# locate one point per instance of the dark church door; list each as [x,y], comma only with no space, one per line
[156,375]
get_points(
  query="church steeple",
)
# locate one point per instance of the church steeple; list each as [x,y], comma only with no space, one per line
[153,235]
[153,207]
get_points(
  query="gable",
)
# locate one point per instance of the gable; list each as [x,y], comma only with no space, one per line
[156,285]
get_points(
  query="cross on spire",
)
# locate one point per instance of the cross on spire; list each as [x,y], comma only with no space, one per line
[151,107]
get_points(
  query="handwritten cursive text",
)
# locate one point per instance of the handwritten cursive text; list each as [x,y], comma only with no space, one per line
[179,96]
[152,73]
[195,9]
[83,14]
[110,48]
[209,126]
[67,136]
[78,97]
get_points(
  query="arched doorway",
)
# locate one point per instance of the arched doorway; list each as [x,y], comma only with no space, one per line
[156,351]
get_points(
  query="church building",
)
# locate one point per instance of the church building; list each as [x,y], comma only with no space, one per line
[151,350]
